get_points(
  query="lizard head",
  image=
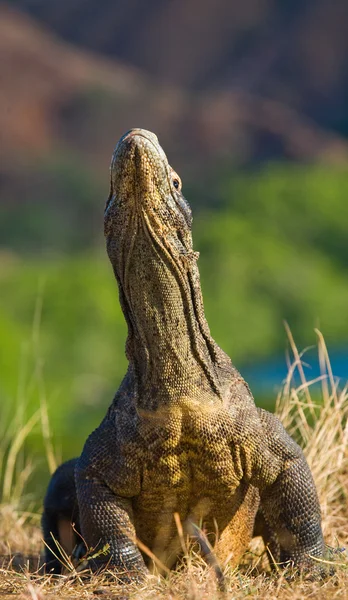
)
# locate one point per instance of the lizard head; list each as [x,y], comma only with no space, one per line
[145,196]
[149,243]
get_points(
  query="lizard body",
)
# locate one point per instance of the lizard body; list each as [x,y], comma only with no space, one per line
[183,434]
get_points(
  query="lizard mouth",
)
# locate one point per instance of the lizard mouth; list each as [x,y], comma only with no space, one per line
[138,159]
[139,167]
[137,132]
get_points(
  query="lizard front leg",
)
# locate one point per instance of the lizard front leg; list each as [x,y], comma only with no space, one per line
[289,500]
[107,527]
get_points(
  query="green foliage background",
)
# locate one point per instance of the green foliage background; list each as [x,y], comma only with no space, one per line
[273,246]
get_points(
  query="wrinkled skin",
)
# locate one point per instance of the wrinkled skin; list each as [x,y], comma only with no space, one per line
[183,434]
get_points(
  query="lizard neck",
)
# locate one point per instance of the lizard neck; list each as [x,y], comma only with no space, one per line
[147,224]
[169,346]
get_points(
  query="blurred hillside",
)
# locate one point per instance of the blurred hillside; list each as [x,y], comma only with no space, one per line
[274,85]
[294,51]
[63,106]
[249,102]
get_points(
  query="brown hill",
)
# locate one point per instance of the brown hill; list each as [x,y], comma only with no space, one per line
[40,75]
[57,98]
[293,51]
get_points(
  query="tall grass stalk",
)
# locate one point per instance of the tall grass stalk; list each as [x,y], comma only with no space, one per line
[315,413]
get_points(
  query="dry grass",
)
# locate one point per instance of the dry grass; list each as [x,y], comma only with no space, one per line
[321,427]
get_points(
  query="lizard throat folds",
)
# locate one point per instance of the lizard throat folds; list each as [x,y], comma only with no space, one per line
[149,243]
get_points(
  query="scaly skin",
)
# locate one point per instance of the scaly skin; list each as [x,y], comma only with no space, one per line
[183,433]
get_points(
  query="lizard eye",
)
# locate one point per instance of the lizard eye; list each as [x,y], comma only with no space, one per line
[176,180]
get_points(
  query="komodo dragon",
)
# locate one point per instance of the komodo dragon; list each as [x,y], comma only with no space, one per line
[183,434]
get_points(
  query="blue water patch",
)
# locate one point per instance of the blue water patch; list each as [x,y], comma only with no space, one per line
[267,377]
